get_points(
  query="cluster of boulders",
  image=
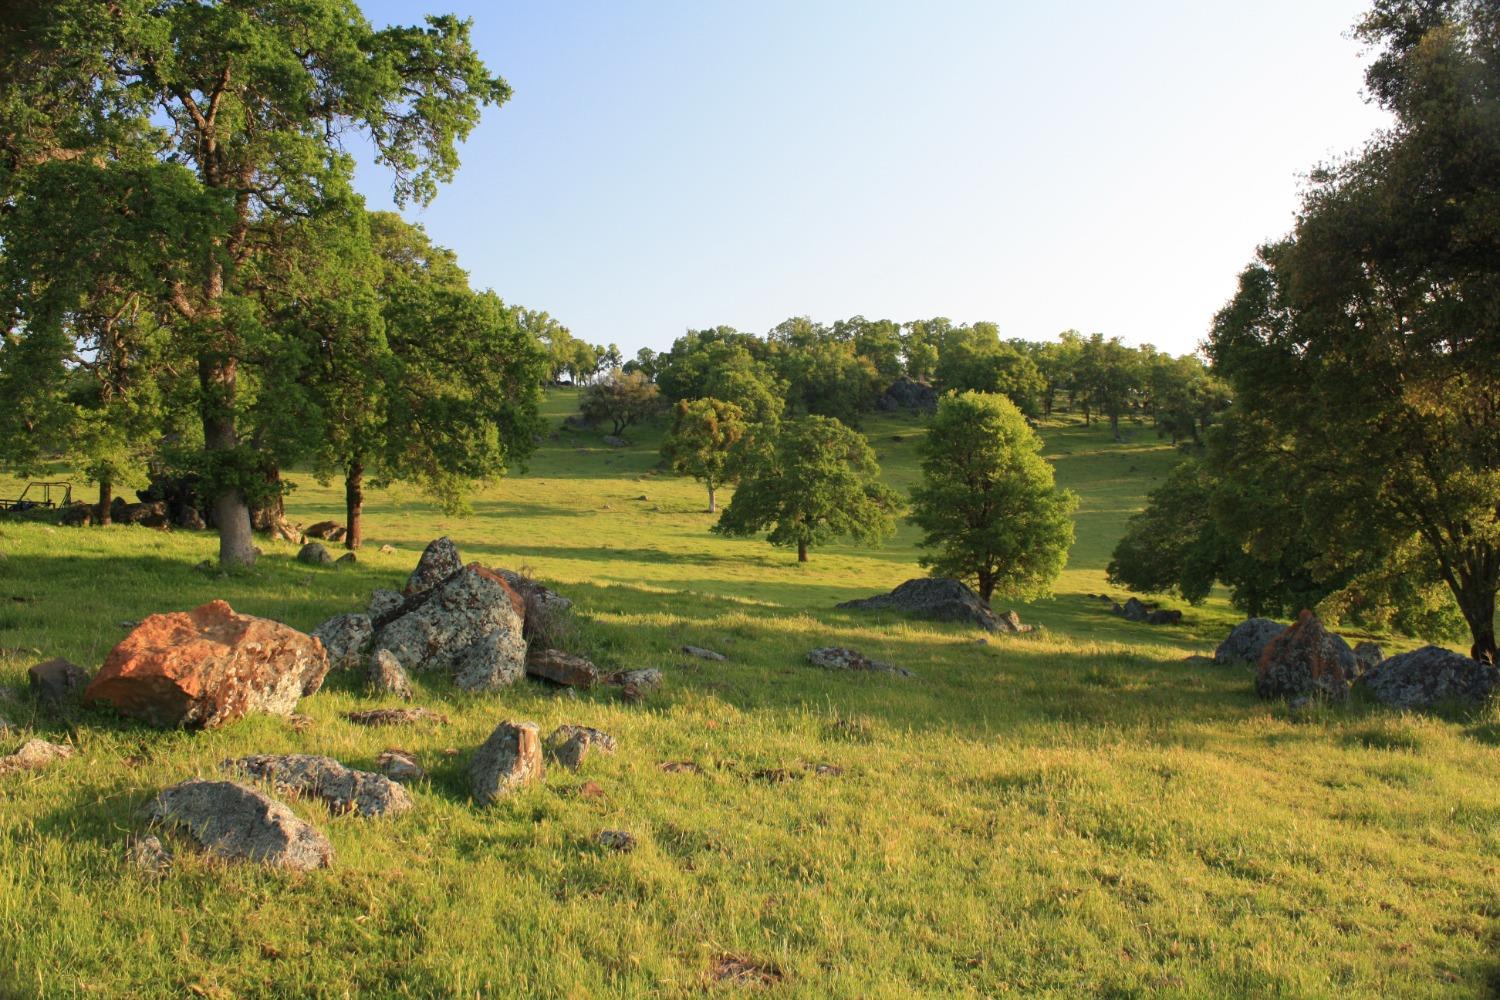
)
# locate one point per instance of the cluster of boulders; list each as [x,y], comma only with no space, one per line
[1136,610]
[910,395]
[941,599]
[1305,661]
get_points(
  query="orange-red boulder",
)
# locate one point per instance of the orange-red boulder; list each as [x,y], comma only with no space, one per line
[1305,659]
[209,666]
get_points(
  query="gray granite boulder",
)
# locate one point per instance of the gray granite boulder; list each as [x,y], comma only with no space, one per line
[839,658]
[345,637]
[341,788]
[439,561]
[568,745]
[1431,676]
[471,607]
[510,759]
[388,676]
[239,823]
[940,599]
[1247,641]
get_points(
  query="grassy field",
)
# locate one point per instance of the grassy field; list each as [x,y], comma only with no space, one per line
[1080,812]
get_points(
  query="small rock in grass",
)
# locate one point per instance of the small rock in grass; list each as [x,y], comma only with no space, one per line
[775,775]
[346,560]
[56,683]
[148,855]
[635,685]
[562,668]
[569,744]
[680,767]
[239,823]
[33,756]
[739,970]
[399,765]
[396,717]
[839,658]
[127,624]
[703,654]
[314,554]
[508,760]
[300,723]
[387,550]
[342,789]
[827,770]
[591,790]
[388,676]
[615,840]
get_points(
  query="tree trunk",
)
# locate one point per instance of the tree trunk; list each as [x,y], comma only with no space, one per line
[986,586]
[1114,425]
[713,506]
[231,512]
[354,504]
[106,497]
[801,550]
[1478,609]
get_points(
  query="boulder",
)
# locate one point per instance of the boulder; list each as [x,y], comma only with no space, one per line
[383,606]
[57,683]
[313,554]
[1247,641]
[147,515]
[346,561]
[396,717]
[616,442]
[509,759]
[328,531]
[387,675]
[400,765]
[937,599]
[493,662]
[1132,610]
[1429,677]
[77,515]
[239,823]
[1368,656]
[1305,659]
[562,668]
[909,394]
[839,658]
[635,685]
[341,789]
[209,666]
[438,629]
[1164,617]
[536,596]
[568,745]
[703,654]
[1011,622]
[33,756]
[192,520]
[345,637]
[439,561]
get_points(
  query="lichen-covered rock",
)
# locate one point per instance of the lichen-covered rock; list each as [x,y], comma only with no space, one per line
[209,666]
[396,717]
[1247,641]
[345,637]
[400,765]
[148,855]
[388,676]
[935,599]
[1306,659]
[382,605]
[328,531]
[492,662]
[341,788]
[703,654]
[839,658]
[508,760]
[1429,677]
[435,630]
[568,745]
[313,554]
[439,561]
[1011,622]
[635,685]
[239,823]
[33,756]
[1368,656]
[562,668]
[534,594]
[56,683]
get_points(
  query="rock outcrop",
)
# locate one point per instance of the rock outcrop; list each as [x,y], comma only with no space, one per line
[239,823]
[345,637]
[839,658]
[1305,660]
[508,760]
[909,394]
[1429,677]
[1247,641]
[440,627]
[341,788]
[937,599]
[209,666]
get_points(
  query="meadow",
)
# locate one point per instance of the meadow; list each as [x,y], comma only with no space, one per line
[1093,809]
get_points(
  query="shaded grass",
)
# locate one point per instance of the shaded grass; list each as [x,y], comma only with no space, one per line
[1082,811]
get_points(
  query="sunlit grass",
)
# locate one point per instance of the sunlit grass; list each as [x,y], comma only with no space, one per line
[1081,811]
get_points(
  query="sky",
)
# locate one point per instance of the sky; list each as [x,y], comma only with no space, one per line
[1090,165]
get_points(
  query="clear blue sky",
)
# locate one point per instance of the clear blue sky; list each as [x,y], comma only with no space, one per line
[1104,166]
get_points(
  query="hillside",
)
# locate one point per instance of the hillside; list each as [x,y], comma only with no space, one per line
[1080,811]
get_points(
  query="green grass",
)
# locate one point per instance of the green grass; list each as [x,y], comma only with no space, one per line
[1084,811]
